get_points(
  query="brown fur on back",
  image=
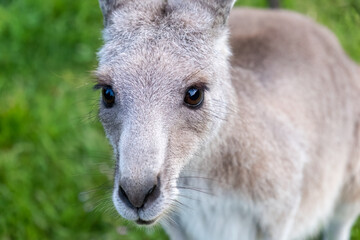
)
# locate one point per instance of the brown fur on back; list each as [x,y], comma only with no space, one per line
[299,81]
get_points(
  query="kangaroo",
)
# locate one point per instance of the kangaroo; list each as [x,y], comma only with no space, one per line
[229,127]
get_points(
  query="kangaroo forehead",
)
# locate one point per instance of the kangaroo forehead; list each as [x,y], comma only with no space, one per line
[145,74]
[147,58]
[150,38]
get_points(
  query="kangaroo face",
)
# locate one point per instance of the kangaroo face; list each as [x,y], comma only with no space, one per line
[162,75]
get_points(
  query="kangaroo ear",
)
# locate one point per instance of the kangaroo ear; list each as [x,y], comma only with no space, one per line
[222,9]
[219,9]
[107,6]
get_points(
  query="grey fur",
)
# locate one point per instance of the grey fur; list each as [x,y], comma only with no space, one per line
[276,142]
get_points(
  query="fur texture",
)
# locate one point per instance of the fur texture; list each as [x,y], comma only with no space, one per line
[273,152]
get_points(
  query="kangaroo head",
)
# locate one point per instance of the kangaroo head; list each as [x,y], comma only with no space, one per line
[164,75]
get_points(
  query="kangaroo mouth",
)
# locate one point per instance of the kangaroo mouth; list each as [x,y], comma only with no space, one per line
[143,222]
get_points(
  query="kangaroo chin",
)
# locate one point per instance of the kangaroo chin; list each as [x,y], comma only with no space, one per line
[241,126]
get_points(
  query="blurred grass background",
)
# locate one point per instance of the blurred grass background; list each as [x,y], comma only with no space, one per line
[55,163]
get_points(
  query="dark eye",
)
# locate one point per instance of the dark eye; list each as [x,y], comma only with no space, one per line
[108,97]
[194,97]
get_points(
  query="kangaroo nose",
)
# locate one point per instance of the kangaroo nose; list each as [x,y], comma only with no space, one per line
[135,195]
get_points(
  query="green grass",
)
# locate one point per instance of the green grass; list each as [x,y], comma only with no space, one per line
[55,162]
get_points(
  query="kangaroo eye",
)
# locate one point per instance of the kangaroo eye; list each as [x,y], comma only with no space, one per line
[108,97]
[194,97]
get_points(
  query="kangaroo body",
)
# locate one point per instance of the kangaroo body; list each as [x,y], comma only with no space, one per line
[300,135]
[274,150]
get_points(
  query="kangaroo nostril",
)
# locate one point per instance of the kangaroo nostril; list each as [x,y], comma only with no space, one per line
[122,191]
[151,191]
[148,194]
[123,196]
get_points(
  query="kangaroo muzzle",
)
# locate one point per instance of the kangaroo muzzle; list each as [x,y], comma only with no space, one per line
[142,153]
